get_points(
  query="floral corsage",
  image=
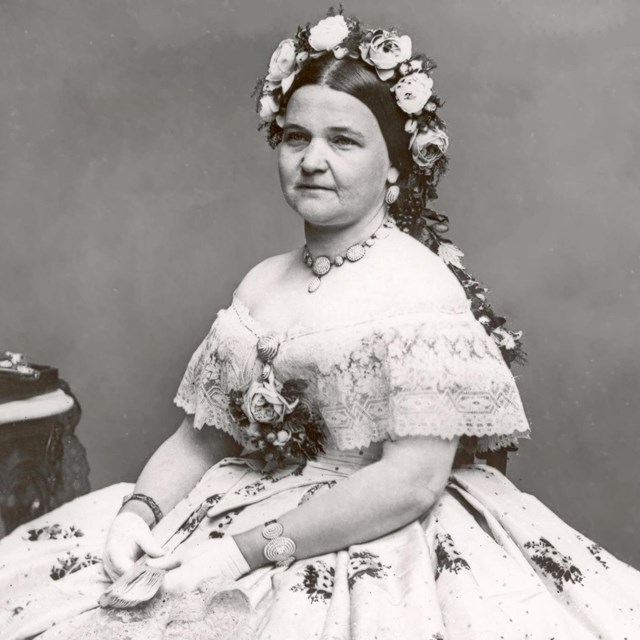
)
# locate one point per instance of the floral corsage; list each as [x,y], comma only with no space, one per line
[277,419]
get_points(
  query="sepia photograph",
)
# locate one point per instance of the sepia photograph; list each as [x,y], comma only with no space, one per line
[319,321]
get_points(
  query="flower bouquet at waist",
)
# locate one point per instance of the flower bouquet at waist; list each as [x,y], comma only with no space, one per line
[278,421]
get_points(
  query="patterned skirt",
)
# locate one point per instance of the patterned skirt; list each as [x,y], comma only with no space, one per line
[487,562]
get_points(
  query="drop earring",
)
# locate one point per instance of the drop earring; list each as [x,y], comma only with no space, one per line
[394,190]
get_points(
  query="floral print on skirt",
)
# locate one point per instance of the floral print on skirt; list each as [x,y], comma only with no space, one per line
[487,562]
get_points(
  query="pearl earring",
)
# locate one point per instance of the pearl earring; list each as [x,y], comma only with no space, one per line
[394,190]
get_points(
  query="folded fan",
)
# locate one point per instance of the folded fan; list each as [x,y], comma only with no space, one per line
[138,584]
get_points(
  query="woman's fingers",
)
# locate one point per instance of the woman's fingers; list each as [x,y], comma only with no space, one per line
[121,559]
[149,544]
[109,567]
[172,561]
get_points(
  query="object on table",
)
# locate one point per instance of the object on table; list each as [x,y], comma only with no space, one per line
[15,364]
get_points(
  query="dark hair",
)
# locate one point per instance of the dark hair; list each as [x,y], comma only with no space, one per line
[417,186]
[360,81]
[417,182]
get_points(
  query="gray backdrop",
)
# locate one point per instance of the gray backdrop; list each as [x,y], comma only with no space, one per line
[135,193]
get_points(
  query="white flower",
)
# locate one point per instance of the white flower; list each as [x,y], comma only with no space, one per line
[340,52]
[263,402]
[268,108]
[283,61]
[287,82]
[503,338]
[385,51]
[328,33]
[451,254]
[413,92]
[427,146]
[253,430]
[410,126]
[282,437]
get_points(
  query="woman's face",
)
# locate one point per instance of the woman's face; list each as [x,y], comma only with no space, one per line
[333,159]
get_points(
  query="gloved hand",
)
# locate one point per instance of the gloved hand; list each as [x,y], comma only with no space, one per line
[128,538]
[188,566]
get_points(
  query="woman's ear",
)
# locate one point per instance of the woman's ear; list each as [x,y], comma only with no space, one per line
[393,175]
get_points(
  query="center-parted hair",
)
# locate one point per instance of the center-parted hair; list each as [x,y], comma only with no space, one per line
[355,79]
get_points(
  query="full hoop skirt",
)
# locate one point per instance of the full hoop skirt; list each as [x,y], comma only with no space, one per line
[487,562]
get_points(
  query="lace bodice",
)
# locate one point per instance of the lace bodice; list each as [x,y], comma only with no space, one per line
[422,369]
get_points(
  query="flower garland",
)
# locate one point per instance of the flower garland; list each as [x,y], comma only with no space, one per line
[387,52]
[408,76]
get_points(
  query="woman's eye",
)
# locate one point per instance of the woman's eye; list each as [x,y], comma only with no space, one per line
[294,137]
[343,141]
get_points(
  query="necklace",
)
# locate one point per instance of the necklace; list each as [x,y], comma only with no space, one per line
[321,265]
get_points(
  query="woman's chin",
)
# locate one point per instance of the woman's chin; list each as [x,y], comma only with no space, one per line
[316,213]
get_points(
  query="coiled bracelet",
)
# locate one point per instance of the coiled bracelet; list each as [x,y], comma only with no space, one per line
[279,549]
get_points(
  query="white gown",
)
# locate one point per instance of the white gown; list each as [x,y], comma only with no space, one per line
[486,562]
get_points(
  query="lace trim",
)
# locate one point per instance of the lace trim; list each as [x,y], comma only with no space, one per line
[496,442]
[204,388]
[444,377]
[423,373]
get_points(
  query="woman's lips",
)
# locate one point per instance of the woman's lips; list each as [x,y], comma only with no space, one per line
[313,187]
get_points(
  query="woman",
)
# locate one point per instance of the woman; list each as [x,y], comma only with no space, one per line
[369,358]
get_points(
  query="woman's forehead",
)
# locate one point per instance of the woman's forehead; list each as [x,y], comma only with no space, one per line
[315,106]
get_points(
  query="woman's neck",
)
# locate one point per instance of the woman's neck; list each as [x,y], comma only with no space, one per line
[333,241]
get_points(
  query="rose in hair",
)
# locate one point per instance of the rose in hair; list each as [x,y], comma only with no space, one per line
[268,108]
[328,33]
[385,51]
[283,61]
[413,92]
[427,146]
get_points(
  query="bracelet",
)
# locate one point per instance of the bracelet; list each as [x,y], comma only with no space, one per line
[150,502]
[279,549]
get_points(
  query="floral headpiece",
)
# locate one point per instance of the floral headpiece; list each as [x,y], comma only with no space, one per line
[407,74]
[388,52]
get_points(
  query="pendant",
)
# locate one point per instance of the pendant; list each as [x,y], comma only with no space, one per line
[313,285]
[321,265]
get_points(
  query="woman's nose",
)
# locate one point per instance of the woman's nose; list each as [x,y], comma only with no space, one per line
[314,157]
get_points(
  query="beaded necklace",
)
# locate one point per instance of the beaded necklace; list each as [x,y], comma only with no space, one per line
[321,265]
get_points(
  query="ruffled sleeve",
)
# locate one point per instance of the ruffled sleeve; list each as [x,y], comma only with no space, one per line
[434,372]
[203,390]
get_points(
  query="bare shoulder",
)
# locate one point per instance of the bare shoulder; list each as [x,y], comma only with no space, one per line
[264,274]
[419,274]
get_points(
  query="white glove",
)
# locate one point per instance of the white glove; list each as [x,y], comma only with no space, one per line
[187,567]
[128,538]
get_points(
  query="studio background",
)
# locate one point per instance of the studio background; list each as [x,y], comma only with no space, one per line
[135,192]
